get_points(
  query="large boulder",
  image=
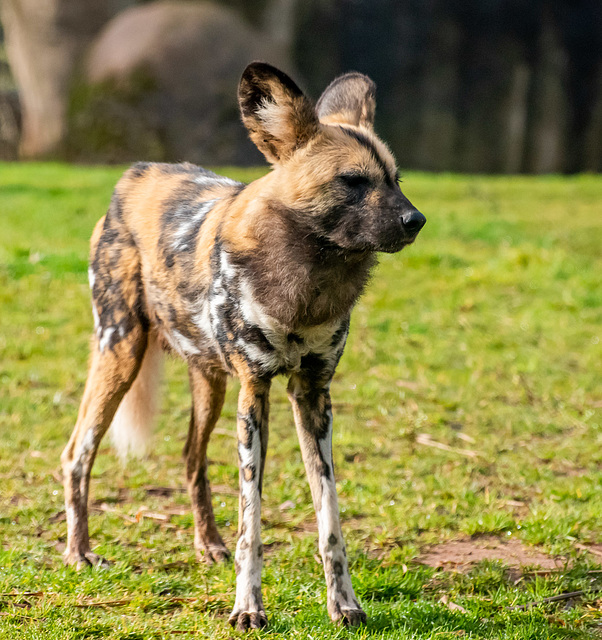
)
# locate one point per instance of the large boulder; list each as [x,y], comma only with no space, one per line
[160,83]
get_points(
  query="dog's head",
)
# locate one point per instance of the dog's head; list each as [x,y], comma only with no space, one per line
[329,164]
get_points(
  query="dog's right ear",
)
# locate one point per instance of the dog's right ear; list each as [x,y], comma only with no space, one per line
[279,118]
[348,99]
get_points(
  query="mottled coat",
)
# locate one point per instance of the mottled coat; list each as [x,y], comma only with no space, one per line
[248,280]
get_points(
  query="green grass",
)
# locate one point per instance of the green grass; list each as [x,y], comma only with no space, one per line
[485,335]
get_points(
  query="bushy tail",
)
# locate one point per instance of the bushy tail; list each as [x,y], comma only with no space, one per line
[132,425]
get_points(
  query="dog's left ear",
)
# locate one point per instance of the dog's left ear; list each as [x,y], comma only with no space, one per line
[279,118]
[348,99]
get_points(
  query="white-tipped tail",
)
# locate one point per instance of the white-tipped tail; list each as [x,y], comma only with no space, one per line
[133,423]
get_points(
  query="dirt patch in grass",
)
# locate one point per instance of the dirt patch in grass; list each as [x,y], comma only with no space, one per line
[458,554]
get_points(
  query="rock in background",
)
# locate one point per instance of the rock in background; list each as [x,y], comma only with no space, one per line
[159,83]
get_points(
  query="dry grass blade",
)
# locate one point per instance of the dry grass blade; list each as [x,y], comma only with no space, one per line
[558,598]
[515,503]
[465,437]
[21,617]
[152,515]
[408,384]
[452,606]
[582,547]
[165,492]
[105,603]
[425,439]
[22,594]
[225,432]
[105,508]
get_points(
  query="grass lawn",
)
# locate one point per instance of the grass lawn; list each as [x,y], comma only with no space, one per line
[467,409]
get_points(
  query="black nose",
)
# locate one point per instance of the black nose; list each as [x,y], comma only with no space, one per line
[413,221]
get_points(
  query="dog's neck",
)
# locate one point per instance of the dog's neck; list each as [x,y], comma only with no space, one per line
[298,277]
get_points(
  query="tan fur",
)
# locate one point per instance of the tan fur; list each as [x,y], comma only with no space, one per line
[143,200]
[350,99]
[208,392]
[111,373]
[315,166]
[283,121]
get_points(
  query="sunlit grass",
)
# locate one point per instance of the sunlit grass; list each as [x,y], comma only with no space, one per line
[483,337]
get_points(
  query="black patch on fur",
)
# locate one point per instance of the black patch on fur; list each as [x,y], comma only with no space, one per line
[139,169]
[169,168]
[180,221]
[313,366]
[324,468]
[110,298]
[249,471]
[298,275]
[257,595]
[366,142]
[255,336]
[340,332]
[256,86]
[250,427]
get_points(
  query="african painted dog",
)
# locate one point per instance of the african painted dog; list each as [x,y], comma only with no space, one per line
[249,280]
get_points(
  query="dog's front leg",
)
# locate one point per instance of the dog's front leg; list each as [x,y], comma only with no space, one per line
[252,427]
[313,418]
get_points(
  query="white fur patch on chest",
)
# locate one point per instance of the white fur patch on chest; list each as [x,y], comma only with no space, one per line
[288,348]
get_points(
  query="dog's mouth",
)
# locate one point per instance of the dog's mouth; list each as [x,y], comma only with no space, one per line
[398,245]
[361,245]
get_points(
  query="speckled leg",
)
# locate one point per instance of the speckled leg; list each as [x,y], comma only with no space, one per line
[112,372]
[249,612]
[208,398]
[313,417]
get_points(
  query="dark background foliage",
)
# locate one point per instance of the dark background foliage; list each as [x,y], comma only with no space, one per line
[465,85]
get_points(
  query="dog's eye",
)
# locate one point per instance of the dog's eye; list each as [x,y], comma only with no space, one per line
[355,180]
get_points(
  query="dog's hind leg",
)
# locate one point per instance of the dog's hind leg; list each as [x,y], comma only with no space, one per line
[112,372]
[208,391]
[119,343]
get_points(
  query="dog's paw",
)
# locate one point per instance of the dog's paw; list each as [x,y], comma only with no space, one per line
[85,559]
[349,617]
[213,553]
[245,620]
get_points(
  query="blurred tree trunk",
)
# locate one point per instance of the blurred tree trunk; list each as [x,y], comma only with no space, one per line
[593,141]
[549,107]
[437,141]
[516,119]
[44,40]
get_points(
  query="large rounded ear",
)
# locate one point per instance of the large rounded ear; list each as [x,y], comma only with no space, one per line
[348,99]
[279,118]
